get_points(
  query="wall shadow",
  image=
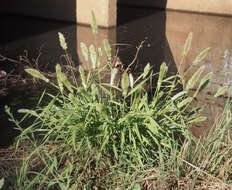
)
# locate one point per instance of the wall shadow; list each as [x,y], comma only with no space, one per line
[25,18]
[52,9]
[144,21]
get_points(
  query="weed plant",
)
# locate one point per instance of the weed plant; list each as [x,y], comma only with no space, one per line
[100,135]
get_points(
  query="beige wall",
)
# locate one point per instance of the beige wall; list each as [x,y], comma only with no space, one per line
[105,12]
[206,6]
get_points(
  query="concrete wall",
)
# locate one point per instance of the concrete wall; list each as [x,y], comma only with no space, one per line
[105,10]
[223,7]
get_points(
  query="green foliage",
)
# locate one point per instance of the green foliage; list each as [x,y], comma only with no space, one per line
[97,123]
[1,183]
[94,24]
[221,91]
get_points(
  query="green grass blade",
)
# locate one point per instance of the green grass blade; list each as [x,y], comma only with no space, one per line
[199,119]
[37,74]
[131,79]
[27,111]
[184,102]
[66,82]
[146,70]
[178,95]
[163,70]
[125,83]
[63,44]
[93,56]
[59,77]
[114,72]
[99,55]
[201,56]
[1,183]
[107,49]
[94,24]
[204,82]
[137,87]
[195,77]
[84,51]
[83,78]
[187,44]
[221,91]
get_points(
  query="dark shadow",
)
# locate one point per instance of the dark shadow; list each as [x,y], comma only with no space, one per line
[18,21]
[22,29]
[148,4]
[144,21]
[14,27]
[49,9]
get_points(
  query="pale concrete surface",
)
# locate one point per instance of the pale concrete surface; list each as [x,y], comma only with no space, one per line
[208,31]
[204,6]
[104,10]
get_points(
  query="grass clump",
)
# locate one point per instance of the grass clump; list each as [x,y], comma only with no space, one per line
[95,134]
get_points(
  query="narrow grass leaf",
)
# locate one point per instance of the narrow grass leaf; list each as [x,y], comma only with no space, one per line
[93,56]
[221,91]
[115,151]
[204,82]
[153,126]
[105,141]
[146,70]
[83,79]
[59,78]
[1,183]
[114,72]
[136,129]
[112,86]
[122,140]
[28,111]
[199,119]
[37,74]
[163,70]
[187,44]
[63,44]
[131,80]
[195,77]
[125,83]
[99,55]
[107,49]
[184,102]
[72,98]
[66,82]
[156,98]
[84,51]
[94,24]
[201,56]
[137,87]
[178,95]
